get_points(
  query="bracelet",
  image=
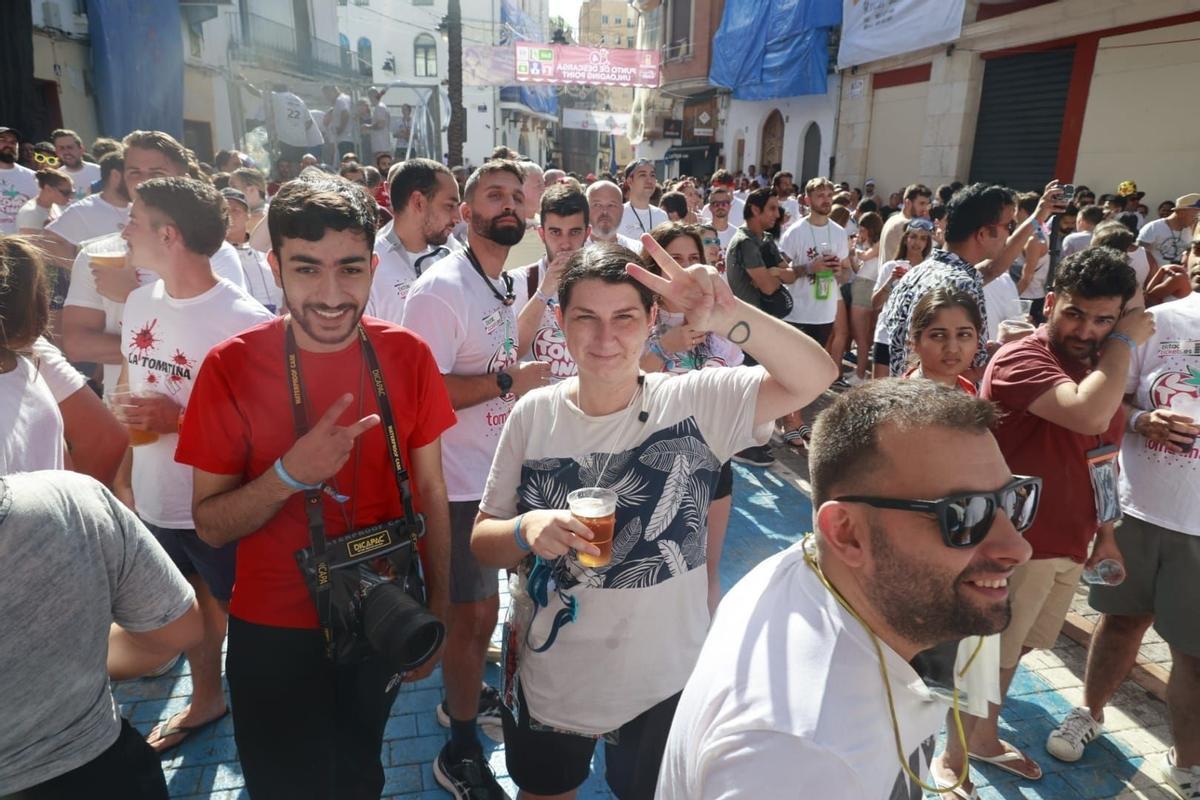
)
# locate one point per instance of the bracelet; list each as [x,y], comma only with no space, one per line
[540,295]
[291,482]
[521,543]
[1131,423]
[1120,337]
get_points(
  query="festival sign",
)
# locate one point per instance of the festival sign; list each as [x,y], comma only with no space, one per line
[595,66]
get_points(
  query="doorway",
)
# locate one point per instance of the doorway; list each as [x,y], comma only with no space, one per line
[810,159]
[771,150]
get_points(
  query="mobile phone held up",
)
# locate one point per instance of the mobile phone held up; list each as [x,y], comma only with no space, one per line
[1068,192]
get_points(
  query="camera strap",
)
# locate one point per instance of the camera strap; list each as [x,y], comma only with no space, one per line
[313,509]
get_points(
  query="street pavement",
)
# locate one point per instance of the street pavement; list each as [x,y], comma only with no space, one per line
[771,511]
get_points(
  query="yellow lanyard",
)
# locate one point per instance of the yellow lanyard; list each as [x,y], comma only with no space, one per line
[887,686]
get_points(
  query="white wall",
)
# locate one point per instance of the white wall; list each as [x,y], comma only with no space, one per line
[70,21]
[745,118]
[1142,122]
[897,121]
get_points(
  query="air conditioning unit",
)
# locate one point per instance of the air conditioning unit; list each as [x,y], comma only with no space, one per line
[51,15]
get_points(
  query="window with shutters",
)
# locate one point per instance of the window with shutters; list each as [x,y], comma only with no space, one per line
[425,57]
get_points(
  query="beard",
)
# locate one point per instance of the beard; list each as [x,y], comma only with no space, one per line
[504,235]
[1061,345]
[8,157]
[936,611]
[318,329]
[433,234]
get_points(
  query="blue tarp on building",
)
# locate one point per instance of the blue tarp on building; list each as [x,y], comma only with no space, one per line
[540,98]
[766,49]
[137,62]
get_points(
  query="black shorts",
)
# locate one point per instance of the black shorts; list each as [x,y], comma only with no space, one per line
[128,769]
[819,333]
[214,565]
[545,762]
[883,355]
[724,482]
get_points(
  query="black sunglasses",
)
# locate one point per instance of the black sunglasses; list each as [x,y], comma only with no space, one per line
[966,518]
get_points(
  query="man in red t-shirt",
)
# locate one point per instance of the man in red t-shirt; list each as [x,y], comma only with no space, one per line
[1059,392]
[304,726]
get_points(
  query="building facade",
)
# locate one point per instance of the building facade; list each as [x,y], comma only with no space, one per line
[1092,92]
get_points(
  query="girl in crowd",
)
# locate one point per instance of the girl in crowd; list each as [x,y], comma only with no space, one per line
[603,644]
[862,313]
[915,246]
[714,253]
[678,348]
[55,190]
[944,334]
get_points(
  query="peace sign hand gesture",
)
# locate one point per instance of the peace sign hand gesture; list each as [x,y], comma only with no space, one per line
[698,291]
[319,454]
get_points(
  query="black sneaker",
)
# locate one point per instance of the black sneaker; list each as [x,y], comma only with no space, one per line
[469,778]
[840,383]
[488,716]
[759,456]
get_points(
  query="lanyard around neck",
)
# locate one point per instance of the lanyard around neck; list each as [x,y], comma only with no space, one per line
[509,296]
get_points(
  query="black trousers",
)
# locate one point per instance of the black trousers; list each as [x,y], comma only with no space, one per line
[304,727]
[128,770]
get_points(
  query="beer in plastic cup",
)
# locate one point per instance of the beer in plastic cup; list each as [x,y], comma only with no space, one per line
[1010,330]
[108,252]
[901,266]
[1026,307]
[1189,405]
[1108,572]
[597,509]
[119,403]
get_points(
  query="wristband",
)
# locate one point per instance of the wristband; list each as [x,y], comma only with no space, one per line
[540,295]
[291,482]
[1120,337]
[1131,423]
[521,543]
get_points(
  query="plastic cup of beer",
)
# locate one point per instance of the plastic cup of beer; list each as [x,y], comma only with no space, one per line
[108,252]
[1026,307]
[120,403]
[597,509]
[1010,330]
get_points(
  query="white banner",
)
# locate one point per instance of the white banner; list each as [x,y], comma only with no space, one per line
[603,121]
[875,29]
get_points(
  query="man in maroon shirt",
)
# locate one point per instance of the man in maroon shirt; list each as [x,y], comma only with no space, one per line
[1059,392]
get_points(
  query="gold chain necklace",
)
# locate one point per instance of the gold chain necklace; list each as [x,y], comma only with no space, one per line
[887,685]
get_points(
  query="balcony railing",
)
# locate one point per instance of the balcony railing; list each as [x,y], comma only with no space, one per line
[257,38]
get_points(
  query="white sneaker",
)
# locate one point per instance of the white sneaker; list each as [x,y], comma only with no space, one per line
[1072,736]
[854,380]
[1185,782]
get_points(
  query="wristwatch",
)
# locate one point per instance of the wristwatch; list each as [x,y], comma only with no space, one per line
[504,381]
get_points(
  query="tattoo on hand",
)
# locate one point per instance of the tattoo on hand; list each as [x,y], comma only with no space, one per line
[739,333]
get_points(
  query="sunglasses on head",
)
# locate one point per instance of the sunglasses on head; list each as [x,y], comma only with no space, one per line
[965,519]
[48,159]
[920,224]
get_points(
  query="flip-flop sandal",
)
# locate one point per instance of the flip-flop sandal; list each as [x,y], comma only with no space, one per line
[799,437]
[165,730]
[1004,761]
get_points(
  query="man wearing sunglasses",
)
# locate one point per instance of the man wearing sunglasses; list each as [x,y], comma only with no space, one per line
[821,625]
[1059,392]
[17,184]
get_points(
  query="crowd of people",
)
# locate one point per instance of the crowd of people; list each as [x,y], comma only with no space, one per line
[317,416]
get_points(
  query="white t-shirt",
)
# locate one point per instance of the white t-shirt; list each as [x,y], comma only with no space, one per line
[470,332]
[1002,301]
[1037,287]
[34,216]
[549,344]
[381,138]
[225,264]
[801,244]
[395,275]
[1074,242]
[792,206]
[89,218]
[1167,246]
[258,279]
[315,135]
[869,271]
[633,244]
[641,619]
[87,174]
[63,379]
[32,438]
[737,212]
[164,342]
[347,133]
[787,694]
[636,221]
[17,186]
[290,118]
[726,236]
[1156,486]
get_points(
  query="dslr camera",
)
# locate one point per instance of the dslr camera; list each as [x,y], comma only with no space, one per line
[376,595]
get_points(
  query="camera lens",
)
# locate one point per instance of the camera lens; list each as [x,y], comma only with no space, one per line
[399,628]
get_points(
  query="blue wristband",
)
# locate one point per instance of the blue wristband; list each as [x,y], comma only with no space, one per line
[1120,337]
[291,482]
[521,543]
